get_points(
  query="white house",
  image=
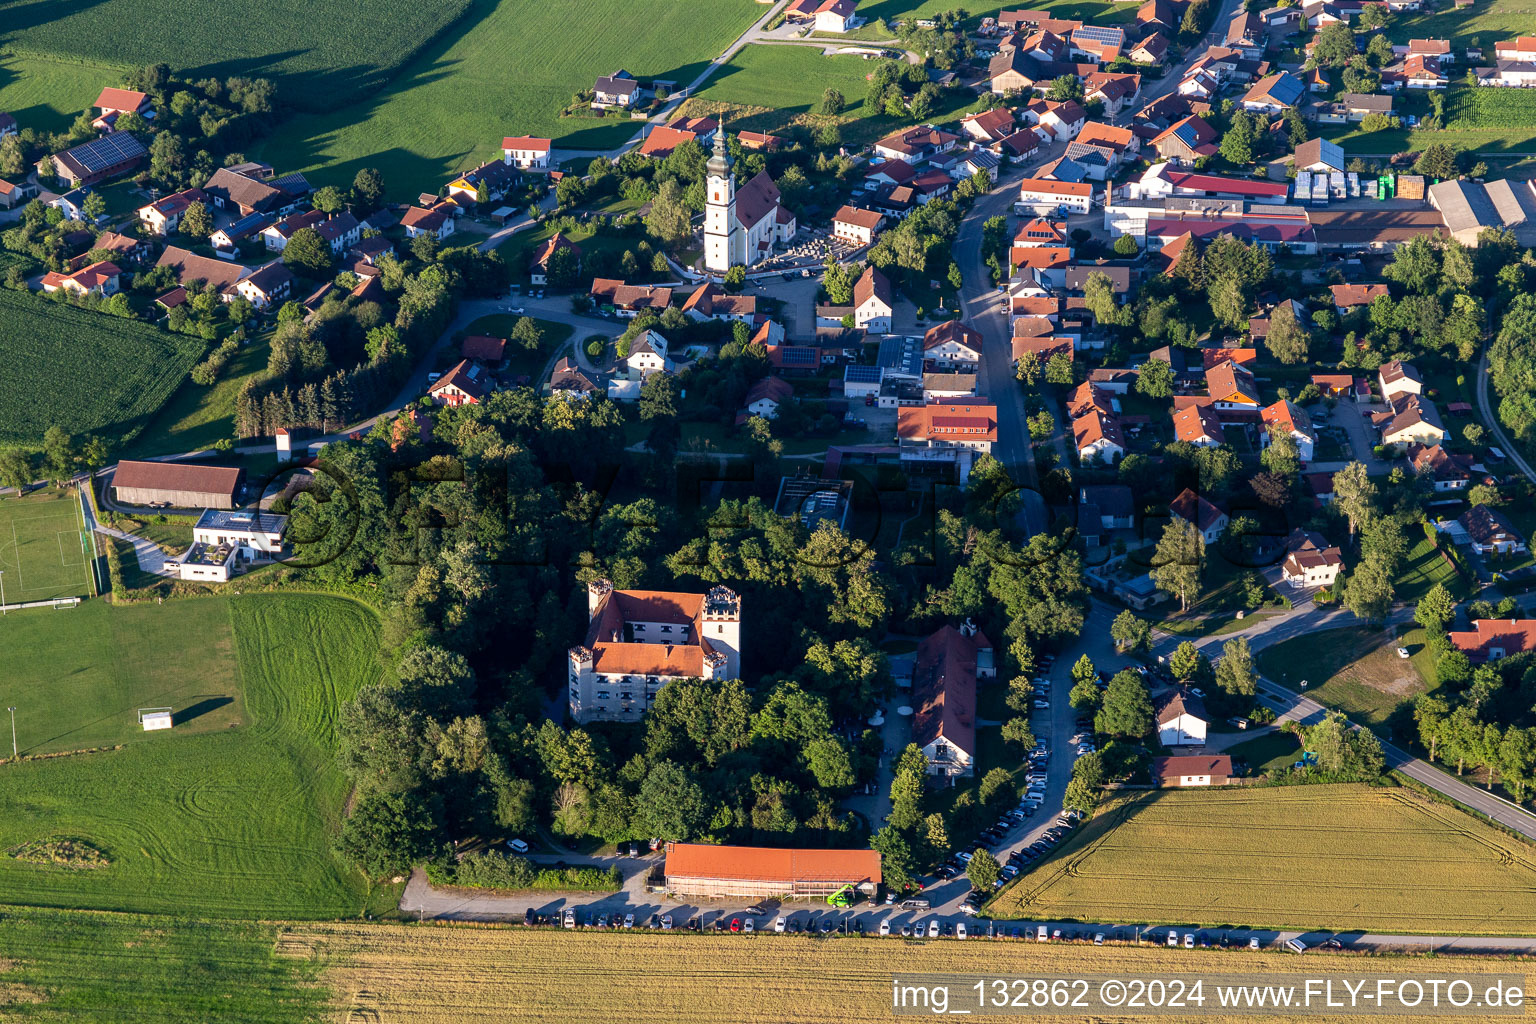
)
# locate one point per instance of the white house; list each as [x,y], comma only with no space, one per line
[1196,770]
[616,90]
[952,345]
[1310,561]
[1287,417]
[766,396]
[436,221]
[1201,514]
[872,308]
[525,151]
[648,355]
[164,214]
[1045,197]
[1399,378]
[834,16]
[225,543]
[852,224]
[1181,720]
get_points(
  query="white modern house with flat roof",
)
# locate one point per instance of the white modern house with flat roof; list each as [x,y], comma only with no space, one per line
[225,544]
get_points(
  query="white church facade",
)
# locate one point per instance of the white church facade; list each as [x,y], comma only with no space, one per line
[741,226]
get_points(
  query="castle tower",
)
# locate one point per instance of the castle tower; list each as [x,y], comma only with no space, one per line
[721,231]
[722,627]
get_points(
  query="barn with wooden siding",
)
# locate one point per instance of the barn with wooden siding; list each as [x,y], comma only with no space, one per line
[178,484]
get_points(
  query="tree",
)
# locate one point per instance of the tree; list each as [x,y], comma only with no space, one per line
[1130,633]
[996,785]
[15,469]
[658,396]
[735,278]
[13,159]
[832,102]
[1155,379]
[1085,695]
[1343,751]
[1435,609]
[1355,496]
[896,863]
[1065,87]
[1368,591]
[1058,369]
[196,221]
[1185,661]
[1177,560]
[1482,494]
[936,833]
[1028,369]
[308,254]
[1017,731]
[1235,673]
[1282,456]
[58,454]
[329,199]
[1287,340]
[387,833]
[1237,142]
[527,334]
[1335,45]
[1437,161]
[368,188]
[983,870]
[1127,709]
[669,221]
[670,805]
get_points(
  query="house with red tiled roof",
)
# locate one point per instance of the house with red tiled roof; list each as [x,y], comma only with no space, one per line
[113,102]
[629,300]
[914,145]
[1232,387]
[971,424]
[852,224]
[1204,516]
[538,264]
[765,397]
[638,641]
[164,214]
[944,673]
[1310,561]
[1492,639]
[1192,770]
[1198,425]
[1347,297]
[1445,471]
[526,152]
[710,302]
[466,383]
[1285,416]
[436,221]
[952,345]
[1043,346]
[97,279]
[989,126]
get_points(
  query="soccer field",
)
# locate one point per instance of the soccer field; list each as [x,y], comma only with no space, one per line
[44,550]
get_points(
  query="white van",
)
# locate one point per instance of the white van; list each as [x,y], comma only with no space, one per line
[1295,945]
[517,846]
[960,930]
[1043,934]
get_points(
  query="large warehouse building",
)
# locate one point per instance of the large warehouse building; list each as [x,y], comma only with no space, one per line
[695,869]
[178,484]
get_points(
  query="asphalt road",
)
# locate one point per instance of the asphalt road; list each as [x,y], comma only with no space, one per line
[1485,410]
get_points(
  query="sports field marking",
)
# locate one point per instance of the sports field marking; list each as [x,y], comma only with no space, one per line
[65,549]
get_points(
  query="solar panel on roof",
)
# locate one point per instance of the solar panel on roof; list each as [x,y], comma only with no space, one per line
[108,151]
[800,355]
[1100,34]
[862,374]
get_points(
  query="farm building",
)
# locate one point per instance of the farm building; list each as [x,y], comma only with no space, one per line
[178,484]
[696,869]
[1197,770]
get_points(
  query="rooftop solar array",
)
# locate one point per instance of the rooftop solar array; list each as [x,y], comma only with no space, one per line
[1100,34]
[108,151]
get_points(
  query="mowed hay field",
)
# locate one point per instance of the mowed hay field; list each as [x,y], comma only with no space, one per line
[507,68]
[230,814]
[319,50]
[49,94]
[86,372]
[404,974]
[1330,857]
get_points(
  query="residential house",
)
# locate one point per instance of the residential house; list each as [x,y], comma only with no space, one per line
[163,216]
[1041,231]
[1397,377]
[1520,48]
[857,226]
[1492,639]
[638,641]
[1274,94]
[1194,770]
[1359,106]
[226,241]
[496,177]
[1518,74]
[1056,121]
[113,102]
[1335,385]
[616,90]
[834,16]
[1204,516]
[467,383]
[1490,532]
[759,141]
[949,425]
[629,300]
[242,195]
[914,145]
[190,267]
[1287,417]
[97,279]
[437,221]
[648,355]
[1447,472]
[709,302]
[1151,50]
[1410,419]
[1198,425]
[952,345]
[570,381]
[277,236]
[1310,561]
[943,387]
[1185,141]
[1014,70]
[1232,387]
[1096,431]
[12,194]
[765,396]
[1114,90]
[1114,504]
[525,152]
[7,124]
[1101,44]
[944,674]
[484,349]
[989,126]
[266,286]
[1349,297]
[538,265]
[872,302]
[1182,720]
[1044,346]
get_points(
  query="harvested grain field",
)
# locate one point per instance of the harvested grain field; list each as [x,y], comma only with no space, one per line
[394,974]
[1332,857]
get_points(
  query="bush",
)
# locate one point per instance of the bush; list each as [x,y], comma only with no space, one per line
[207,371]
[493,869]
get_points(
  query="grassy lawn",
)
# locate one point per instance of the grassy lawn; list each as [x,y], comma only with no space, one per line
[1270,752]
[1336,857]
[1355,669]
[319,53]
[43,549]
[48,94]
[768,88]
[521,361]
[231,812]
[518,249]
[1424,567]
[448,108]
[197,416]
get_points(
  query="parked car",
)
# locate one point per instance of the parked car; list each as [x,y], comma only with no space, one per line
[1189,940]
[933,928]
[1173,937]
[1295,945]
[569,920]
[629,920]
[1253,942]
[885,926]
[1098,938]
[779,923]
[666,923]
[746,926]
[517,846]
[960,930]
[735,924]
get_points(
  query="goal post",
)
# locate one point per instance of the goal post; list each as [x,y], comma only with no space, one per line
[65,602]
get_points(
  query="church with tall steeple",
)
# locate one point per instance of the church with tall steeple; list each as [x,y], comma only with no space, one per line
[741,226]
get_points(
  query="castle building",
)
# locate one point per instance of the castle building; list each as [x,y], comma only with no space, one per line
[640,640]
[741,226]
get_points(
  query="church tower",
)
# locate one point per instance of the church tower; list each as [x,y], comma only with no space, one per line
[721,232]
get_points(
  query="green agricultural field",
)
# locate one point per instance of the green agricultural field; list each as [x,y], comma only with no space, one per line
[1490,122]
[60,965]
[1334,857]
[767,88]
[321,53]
[87,372]
[892,11]
[44,551]
[507,69]
[49,94]
[197,416]
[230,813]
